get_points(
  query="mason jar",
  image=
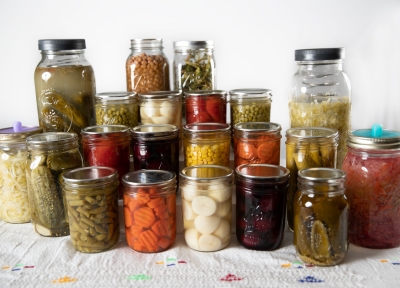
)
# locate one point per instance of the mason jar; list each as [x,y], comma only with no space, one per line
[205,106]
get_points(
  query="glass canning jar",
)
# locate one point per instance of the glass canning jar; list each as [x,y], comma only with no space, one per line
[260,205]
[207,206]
[150,210]
[205,106]
[372,165]
[321,215]
[49,156]
[147,67]
[308,147]
[91,195]
[320,95]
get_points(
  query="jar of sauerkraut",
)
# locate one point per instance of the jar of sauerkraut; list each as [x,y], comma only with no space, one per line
[320,93]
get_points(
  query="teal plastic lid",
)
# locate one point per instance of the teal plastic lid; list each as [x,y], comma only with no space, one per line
[375,138]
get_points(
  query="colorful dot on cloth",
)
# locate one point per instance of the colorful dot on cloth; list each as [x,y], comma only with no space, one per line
[160,262]
[182,262]
[139,277]
[29,267]
[310,279]
[230,278]
[286,265]
[5,267]
[384,261]
[65,279]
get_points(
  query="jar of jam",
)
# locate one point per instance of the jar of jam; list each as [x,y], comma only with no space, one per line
[321,214]
[91,195]
[205,106]
[107,145]
[207,206]
[150,210]
[308,147]
[147,67]
[257,142]
[117,108]
[372,165]
[14,202]
[49,156]
[206,143]
[260,205]
[320,95]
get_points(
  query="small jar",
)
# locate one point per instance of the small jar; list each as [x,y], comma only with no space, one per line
[257,143]
[321,214]
[117,108]
[372,165]
[14,202]
[320,93]
[147,67]
[308,147]
[150,210]
[260,205]
[205,106]
[206,143]
[250,105]
[107,145]
[207,206]
[49,156]
[91,195]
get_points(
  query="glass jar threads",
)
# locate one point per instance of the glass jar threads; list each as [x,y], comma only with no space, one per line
[49,156]
[320,95]
[147,67]
[206,143]
[205,106]
[257,142]
[91,195]
[250,105]
[308,147]
[321,213]
[372,165]
[207,206]
[117,108]
[260,205]
[150,210]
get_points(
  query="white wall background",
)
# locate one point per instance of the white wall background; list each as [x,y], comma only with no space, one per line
[254,45]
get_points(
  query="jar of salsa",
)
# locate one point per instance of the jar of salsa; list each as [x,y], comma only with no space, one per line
[205,106]
[372,165]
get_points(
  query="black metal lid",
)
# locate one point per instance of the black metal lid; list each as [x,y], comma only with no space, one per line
[62,44]
[319,54]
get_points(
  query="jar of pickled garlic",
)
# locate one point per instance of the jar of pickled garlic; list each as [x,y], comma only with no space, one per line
[321,214]
[257,142]
[150,210]
[205,106]
[49,156]
[320,95]
[206,143]
[107,145]
[308,147]
[207,206]
[14,202]
[147,67]
[250,105]
[372,165]
[117,108]
[91,195]
[260,205]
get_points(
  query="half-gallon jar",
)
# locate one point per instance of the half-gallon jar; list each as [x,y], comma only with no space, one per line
[205,106]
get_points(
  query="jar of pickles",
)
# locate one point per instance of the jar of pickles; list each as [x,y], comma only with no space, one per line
[14,202]
[49,156]
[308,147]
[117,108]
[91,195]
[150,210]
[205,106]
[372,165]
[260,205]
[320,95]
[206,143]
[257,142]
[321,214]
[147,67]
[207,206]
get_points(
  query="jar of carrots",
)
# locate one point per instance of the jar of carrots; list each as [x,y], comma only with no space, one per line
[150,209]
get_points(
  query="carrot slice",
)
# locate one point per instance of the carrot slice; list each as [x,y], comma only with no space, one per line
[164,243]
[160,228]
[137,245]
[148,239]
[142,198]
[155,202]
[246,150]
[144,217]
[164,215]
[265,151]
[127,217]
[171,203]
[160,210]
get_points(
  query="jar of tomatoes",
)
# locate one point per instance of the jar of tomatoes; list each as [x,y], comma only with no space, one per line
[205,106]
[372,165]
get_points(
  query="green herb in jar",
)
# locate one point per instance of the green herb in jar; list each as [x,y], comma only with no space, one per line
[196,74]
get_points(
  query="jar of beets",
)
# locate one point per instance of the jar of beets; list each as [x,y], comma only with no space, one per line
[372,164]
[205,106]
[260,205]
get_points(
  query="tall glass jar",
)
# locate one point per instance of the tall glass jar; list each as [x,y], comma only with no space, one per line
[49,156]
[205,106]
[65,86]
[320,95]
[372,165]
[308,147]
[321,214]
[147,67]
[14,202]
